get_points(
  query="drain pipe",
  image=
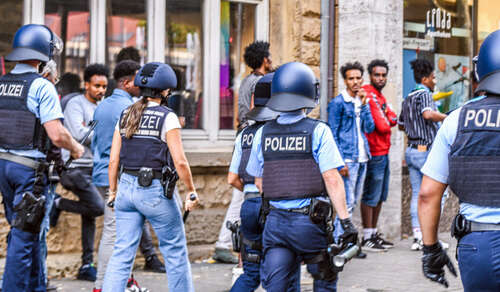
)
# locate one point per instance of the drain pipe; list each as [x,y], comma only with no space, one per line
[331,49]
[324,60]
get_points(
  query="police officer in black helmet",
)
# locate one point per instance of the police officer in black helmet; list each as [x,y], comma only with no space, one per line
[146,135]
[465,156]
[30,118]
[294,161]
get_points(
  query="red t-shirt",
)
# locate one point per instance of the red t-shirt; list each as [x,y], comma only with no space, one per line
[384,118]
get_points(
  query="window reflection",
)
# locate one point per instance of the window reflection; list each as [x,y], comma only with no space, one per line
[71,21]
[183,51]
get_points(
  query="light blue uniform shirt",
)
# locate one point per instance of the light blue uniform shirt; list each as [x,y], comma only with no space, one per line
[235,164]
[43,101]
[107,114]
[324,149]
[436,167]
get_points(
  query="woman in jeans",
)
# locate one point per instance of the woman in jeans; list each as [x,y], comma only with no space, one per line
[140,149]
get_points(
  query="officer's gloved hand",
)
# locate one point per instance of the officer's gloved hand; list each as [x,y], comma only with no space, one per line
[350,234]
[433,261]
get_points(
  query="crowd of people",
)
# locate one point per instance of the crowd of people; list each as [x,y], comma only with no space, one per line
[117,146]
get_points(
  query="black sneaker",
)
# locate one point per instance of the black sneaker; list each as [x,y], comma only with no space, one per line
[372,245]
[360,255]
[54,213]
[87,272]
[154,264]
[383,242]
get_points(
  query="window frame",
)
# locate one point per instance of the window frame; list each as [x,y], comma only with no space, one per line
[209,135]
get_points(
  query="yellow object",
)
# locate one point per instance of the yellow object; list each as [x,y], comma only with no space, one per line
[440,95]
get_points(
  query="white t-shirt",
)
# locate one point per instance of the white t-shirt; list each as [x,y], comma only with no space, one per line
[171,122]
[363,156]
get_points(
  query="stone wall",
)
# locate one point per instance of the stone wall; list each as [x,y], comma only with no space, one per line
[370,30]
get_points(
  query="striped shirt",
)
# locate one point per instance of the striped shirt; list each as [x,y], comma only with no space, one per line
[419,130]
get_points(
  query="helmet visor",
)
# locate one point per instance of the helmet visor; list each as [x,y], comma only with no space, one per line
[57,45]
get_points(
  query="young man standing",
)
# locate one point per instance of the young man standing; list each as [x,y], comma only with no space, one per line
[377,174]
[77,178]
[350,118]
[258,58]
[419,119]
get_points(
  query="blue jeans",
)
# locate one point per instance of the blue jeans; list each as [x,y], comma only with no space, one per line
[23,266]
[479,261]
[251,230]
[353,184]
[376,185]
[44,228]
[288,239]
[133,205]
[415,160]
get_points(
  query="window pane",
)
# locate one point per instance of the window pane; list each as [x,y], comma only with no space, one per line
[71,21]
[126,27]
[440,31]
[184,51]
[11,18]
[237,32]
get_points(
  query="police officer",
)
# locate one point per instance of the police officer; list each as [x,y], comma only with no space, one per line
[251,227]
[466,156]
[145,136]
[30,117]
[294,161]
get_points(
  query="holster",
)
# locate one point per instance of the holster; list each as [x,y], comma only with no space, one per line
[460,227]
[169,179]
[320,211]
[31,209]
[255,245]
[235,234]
[264,211]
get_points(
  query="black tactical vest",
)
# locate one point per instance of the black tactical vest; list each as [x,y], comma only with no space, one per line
[21,129]
[474,159]
[290,171]
[145,148]
[247,136]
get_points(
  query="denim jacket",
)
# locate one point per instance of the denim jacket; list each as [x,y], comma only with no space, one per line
[342,121]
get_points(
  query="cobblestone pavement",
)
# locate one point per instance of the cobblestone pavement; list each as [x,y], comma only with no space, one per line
[399,269]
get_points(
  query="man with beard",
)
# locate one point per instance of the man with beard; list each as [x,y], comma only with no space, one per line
[78,177]
[349,118]
[376,185]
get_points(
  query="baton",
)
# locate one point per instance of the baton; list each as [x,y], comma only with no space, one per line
[341,259]
[92,126]
[192,197]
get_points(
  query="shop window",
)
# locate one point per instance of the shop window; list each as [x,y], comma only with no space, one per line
[440,31]
[71,21]
[126,28]
[237,32]
[184,52]
[488,19]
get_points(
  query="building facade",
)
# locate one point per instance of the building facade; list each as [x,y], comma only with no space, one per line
[203,40]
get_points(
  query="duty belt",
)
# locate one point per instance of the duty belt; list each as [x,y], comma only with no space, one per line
[475,226]
[156,173]
[303,210]
[28,162]
[252,195]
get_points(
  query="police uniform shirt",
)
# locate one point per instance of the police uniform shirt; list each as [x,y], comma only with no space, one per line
[235,164]
[436,167]
[171,122]
[43,102]
[325,153]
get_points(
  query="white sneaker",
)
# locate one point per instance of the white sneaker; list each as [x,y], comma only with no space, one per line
[417,244]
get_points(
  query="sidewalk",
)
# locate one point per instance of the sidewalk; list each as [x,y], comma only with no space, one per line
[399,269]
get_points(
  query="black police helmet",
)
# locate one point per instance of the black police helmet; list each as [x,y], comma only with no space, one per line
[294,87]
[261,95]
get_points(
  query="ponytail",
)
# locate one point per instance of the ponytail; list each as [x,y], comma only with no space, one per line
[132,118]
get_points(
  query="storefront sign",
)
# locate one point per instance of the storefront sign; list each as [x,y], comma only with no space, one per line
[417,44]
[438,23]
